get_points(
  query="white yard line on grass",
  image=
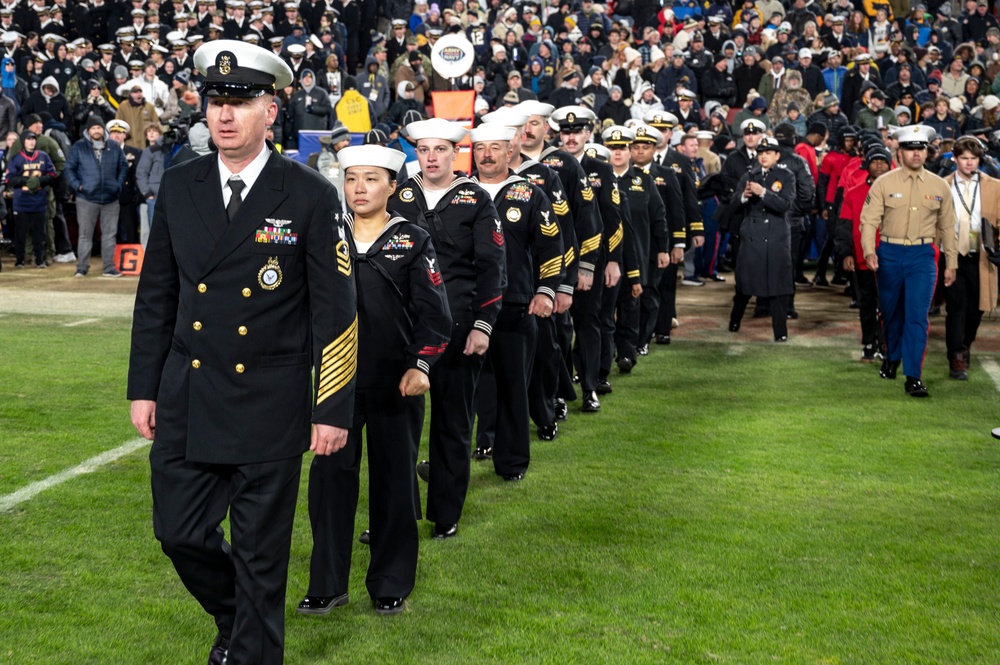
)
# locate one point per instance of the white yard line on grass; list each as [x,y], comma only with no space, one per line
[993,370]
[11,501]
[735,350]
[82,322]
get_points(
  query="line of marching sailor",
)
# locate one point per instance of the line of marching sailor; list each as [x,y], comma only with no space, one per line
[497,292]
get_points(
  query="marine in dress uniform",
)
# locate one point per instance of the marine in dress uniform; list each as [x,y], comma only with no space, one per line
[404,324]
[534,270]
[468,237]
[764,264]
[907,208]
[241,297]
[977,207]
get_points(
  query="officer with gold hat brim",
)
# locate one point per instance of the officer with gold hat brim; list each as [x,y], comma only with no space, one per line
[468,237]
[764,263]
[646,241]
[575,124]
[534,271]
[907,209]
[244,297]
[404,325]
[574,204]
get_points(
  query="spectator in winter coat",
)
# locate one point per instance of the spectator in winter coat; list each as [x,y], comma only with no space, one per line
[309,107]
[540,83]
[29,174]
[138,113]
[747,74]
[943,121]
[8,115]
[645,102]
[148,173]
[405,101]
[374,87]
[830,115]
[614,109]
[96,171]
[47,98]
[834,74]
[790,92]
[93,103]
[813,80]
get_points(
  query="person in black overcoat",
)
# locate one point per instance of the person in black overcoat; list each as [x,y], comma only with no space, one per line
[242,296]
[764,264]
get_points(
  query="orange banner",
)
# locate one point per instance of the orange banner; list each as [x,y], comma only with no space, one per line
[457,106]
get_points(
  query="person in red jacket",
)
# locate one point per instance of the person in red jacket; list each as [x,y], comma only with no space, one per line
[877,161]
[829,178]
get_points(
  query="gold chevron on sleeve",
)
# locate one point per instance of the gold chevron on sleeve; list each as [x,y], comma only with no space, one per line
[569,257]
[339,363]
[550,268]
[587,194]
[616,196]
[616,237]
[561,208]
[550,230]
[590,245]
[343,259]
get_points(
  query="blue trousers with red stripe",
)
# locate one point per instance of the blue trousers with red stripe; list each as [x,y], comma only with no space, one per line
[906,278]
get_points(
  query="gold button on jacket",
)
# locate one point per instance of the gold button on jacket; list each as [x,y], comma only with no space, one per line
[196,325]
[202,288]
[196,363]
[242,330]
[240,368]
[246,292]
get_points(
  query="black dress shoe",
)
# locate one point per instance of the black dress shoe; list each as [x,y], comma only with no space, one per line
[889,367]
[838,280]
[590,403]
[603,387]
[791,314]
[220,651]
[388,605]
[365,538]
[481,453]
[513,477]
[781,339]
[562,411]
[320,604]
[549,432]
[715,278]
[820,281]
[663,339]
[734,326]
[424,470]
[625,365]
[643,350]
[442,531]
[915,387]
[802,280]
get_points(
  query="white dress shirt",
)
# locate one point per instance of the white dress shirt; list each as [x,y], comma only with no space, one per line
[248,175]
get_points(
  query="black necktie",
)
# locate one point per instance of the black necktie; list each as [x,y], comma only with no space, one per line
[235,186]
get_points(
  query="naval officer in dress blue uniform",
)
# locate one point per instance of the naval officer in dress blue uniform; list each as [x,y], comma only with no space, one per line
[243,297]
[908,208]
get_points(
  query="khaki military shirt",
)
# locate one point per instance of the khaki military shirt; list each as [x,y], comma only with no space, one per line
[910,205]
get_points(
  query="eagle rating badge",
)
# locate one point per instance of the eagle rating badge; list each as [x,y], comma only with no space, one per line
[269,276]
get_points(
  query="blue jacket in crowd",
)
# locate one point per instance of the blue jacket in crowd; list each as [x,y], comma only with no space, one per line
[93,181]
[21,168]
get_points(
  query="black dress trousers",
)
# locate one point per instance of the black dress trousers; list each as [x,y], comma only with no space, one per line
[391,426]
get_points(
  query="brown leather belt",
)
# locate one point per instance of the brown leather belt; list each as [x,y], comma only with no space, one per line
[907,242]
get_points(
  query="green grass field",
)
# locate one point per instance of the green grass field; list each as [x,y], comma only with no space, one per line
[760,504]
